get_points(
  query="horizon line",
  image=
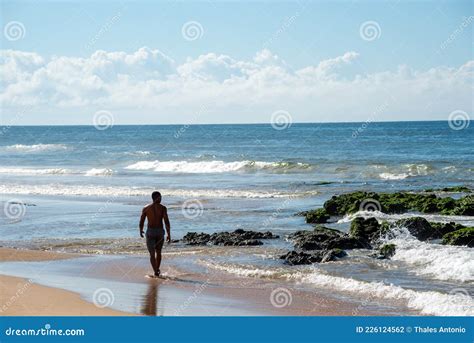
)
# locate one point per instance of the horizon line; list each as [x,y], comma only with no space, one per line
[260,123]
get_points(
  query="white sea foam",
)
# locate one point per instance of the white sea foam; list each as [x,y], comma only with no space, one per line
[436,261]
[391,176]
[442,262]
[427,302]
[213,166]
[55,171]
[32,171]
[94,190]
[35,147]
[138,153]
[465,220]
[403,172]
[99,172]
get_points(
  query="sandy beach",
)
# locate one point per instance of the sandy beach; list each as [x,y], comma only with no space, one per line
[181,293]
[22,297]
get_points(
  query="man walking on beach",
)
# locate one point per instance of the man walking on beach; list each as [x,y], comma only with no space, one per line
[156,214]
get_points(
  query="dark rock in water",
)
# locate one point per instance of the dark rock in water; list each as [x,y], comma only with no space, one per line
[318,216]
[440,229]
[464,206]
[365,230]
[386,251]
[400,202]
[250,242]
[347,242]
[299,257]
[254,234]
[333,255]
[423,229]
[460,237]
[296,258]
[194,238]
[455,189]
[323,238]
[417,226]
[347,203]
[237,238]
[314,240]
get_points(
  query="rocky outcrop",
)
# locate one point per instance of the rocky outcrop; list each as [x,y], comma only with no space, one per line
[238,237]
[463,236]
[417,226]
[424,230]
[399,202]
[320,256]
[318,216]
[386,251]
[195,238]
[365,230]
[323,238]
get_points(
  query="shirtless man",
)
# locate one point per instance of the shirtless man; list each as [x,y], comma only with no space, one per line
[155,234]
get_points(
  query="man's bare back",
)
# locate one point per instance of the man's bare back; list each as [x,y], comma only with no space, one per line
[155,214]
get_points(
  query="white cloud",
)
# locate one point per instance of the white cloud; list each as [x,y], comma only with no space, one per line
[148,86]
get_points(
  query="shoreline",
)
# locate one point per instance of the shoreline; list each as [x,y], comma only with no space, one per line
[182,293]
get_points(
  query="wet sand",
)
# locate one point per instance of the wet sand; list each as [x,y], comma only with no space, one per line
[66,284]
[11,254]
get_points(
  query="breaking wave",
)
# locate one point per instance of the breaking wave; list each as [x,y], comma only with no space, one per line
[215,166]
[35,147]
[427,302]
[118,191]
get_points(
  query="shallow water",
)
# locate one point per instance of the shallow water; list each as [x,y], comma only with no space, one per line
[84,189]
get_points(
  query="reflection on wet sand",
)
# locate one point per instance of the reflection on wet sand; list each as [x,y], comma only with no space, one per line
[150,299]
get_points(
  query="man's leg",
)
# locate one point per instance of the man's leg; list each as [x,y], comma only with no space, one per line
[158,248]
[153,262]
[158,260]
[150,244]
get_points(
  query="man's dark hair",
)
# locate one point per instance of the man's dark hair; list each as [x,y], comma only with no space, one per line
[155,195]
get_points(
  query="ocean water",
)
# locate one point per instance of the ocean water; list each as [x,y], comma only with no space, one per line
[77,188]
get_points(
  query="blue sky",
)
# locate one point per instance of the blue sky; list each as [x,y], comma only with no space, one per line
[415,35]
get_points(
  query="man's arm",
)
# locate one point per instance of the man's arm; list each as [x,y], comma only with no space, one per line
[142,222]
[167,225]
